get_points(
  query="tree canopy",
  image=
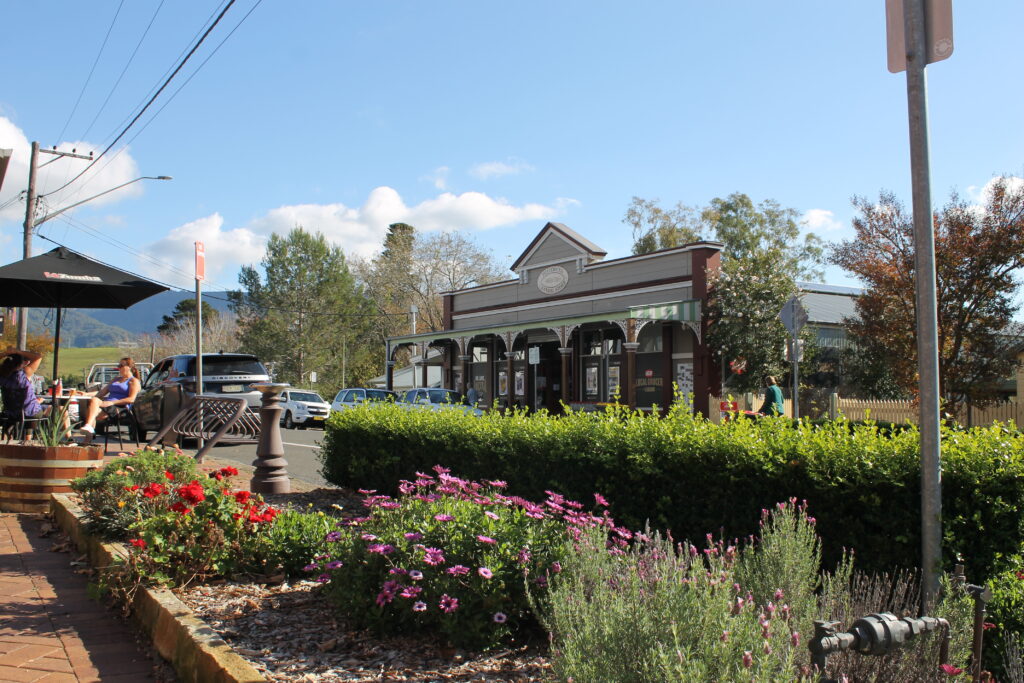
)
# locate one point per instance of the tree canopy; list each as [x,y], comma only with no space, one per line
[979,253]
[306,313]
[764,253]
[184,314]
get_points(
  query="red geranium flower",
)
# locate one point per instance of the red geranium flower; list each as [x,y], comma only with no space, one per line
[138,543]
[153,490]
[169,475]
[192,493]
[242,497]
[951,670]
[181,508]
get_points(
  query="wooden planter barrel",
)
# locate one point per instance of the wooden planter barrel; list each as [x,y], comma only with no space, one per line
[29,474]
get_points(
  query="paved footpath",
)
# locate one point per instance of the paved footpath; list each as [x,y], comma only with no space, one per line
[50,630]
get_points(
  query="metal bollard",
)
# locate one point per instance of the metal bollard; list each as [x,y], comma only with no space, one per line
[271,475]
[875,634]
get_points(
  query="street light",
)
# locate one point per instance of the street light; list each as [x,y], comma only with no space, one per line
[32,223]
[54,214]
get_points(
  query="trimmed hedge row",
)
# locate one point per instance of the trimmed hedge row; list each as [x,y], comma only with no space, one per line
[693,477]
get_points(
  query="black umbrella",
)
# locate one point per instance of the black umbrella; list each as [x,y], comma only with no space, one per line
[65,279]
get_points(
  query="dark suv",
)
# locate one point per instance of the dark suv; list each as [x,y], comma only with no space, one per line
[173,380]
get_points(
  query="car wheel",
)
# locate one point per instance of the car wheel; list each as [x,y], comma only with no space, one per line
[288,424]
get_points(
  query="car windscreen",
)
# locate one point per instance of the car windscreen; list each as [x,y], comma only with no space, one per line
[444,396]
[308,398]
[227,366]
[379,395]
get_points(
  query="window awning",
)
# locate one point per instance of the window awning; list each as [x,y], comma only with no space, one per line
[688,311]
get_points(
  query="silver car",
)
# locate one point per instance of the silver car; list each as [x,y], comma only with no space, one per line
[350,398]
[438,399]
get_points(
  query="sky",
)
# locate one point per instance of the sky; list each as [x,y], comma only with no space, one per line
[486,118]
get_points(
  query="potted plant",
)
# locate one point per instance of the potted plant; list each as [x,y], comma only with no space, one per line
[31,470]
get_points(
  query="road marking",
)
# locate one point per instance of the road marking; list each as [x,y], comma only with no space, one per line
[302,445]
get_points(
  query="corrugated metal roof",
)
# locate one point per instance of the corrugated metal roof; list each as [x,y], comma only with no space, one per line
[827,308]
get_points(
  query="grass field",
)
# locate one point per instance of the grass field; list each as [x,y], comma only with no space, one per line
[76,362]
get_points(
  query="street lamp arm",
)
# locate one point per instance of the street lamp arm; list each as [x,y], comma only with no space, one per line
[54,214]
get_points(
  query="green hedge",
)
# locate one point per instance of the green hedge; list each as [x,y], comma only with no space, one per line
[693,477]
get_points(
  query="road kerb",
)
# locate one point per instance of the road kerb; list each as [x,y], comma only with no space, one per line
[194,649]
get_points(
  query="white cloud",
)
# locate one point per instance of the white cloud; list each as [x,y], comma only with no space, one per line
[172,258]
[358,231]
[494,169]
[821,220]
[980,195]
[108,172]
[438,177]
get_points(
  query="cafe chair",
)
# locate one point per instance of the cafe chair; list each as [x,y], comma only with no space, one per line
[120,418]
[14,424]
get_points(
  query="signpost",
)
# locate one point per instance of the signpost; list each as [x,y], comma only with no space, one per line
[534,359]
[794,316]
[200,276]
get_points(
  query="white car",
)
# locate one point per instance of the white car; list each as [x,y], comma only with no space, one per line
[438,399]
[302,408]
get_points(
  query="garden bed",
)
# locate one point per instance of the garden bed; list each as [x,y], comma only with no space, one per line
[289,632]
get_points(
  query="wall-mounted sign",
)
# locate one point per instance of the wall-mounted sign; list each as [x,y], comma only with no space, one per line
[553,280]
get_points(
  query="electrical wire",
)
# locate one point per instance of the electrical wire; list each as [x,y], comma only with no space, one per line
[167,82]
[96,61]
[131,58]
[170,99]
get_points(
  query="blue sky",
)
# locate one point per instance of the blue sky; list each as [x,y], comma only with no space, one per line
[486,118]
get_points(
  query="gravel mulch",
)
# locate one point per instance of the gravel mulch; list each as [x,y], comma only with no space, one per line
[289,632]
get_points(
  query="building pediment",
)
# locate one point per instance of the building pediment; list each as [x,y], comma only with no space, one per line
[557,244]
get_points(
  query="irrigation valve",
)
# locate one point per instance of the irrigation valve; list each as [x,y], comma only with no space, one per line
[875,634]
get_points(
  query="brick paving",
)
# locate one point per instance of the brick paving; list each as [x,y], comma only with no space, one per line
[50,630]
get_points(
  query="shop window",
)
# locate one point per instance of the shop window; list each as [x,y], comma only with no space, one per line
[650,338]
[479,354]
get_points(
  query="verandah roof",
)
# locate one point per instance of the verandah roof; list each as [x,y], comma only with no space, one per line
[688,311]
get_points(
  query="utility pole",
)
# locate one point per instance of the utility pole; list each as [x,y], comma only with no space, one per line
[30,222]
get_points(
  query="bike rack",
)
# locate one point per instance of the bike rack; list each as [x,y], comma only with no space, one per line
[212,418]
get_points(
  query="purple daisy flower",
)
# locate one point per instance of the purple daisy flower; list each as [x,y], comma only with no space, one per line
[335,564]
[485,572]
[415,575]
[333,536]
[413,536]
[323,578]
[444,518]
[485,539]
[419,606]
[500,617]
[448,604]
[433,556]
[458,570]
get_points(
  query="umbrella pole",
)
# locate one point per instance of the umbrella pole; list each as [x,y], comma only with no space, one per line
[56,347]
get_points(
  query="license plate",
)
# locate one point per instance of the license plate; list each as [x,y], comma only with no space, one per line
[231,389]
[318,418]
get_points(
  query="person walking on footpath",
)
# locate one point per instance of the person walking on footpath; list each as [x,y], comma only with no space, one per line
[773,403]
[472,396]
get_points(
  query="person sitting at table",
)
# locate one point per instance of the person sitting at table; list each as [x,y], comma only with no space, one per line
[117,395]
[16,371]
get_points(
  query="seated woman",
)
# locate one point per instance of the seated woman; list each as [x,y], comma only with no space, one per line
[119,394]
[16,371]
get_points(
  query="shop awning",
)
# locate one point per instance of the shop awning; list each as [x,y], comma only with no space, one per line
[687,311]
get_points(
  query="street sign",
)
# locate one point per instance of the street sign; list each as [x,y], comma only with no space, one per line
[938,23]
[200,261]
[534,355]
[793,315]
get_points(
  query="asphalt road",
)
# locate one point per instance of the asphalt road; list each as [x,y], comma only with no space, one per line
[301,450]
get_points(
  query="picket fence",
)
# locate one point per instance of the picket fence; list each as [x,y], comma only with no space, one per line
[878,409]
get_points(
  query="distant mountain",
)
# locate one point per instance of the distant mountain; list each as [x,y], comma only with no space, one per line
[143,317]
[78,329]
[89,327]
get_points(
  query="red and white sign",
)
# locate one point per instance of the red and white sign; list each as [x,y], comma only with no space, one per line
[200,261]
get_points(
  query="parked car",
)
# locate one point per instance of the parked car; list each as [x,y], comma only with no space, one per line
[173,381]
[101,374]
[349,398]
[438,399]
[302,408]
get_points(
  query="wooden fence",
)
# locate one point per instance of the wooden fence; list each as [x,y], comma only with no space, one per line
[877,409]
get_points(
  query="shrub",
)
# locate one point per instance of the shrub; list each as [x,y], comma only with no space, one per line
[1006,614]
[668,612]
[110,512]
[449,556]
[676,472]
[293,538]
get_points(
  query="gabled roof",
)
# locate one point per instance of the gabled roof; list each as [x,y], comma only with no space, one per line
[591,251]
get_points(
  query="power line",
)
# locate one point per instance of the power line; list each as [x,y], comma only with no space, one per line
[131,58]
[91,71]
[181,87]
[167,82]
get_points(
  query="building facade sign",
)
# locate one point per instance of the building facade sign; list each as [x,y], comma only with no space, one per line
[553,280]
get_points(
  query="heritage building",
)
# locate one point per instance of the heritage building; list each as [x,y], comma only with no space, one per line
[573,327]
